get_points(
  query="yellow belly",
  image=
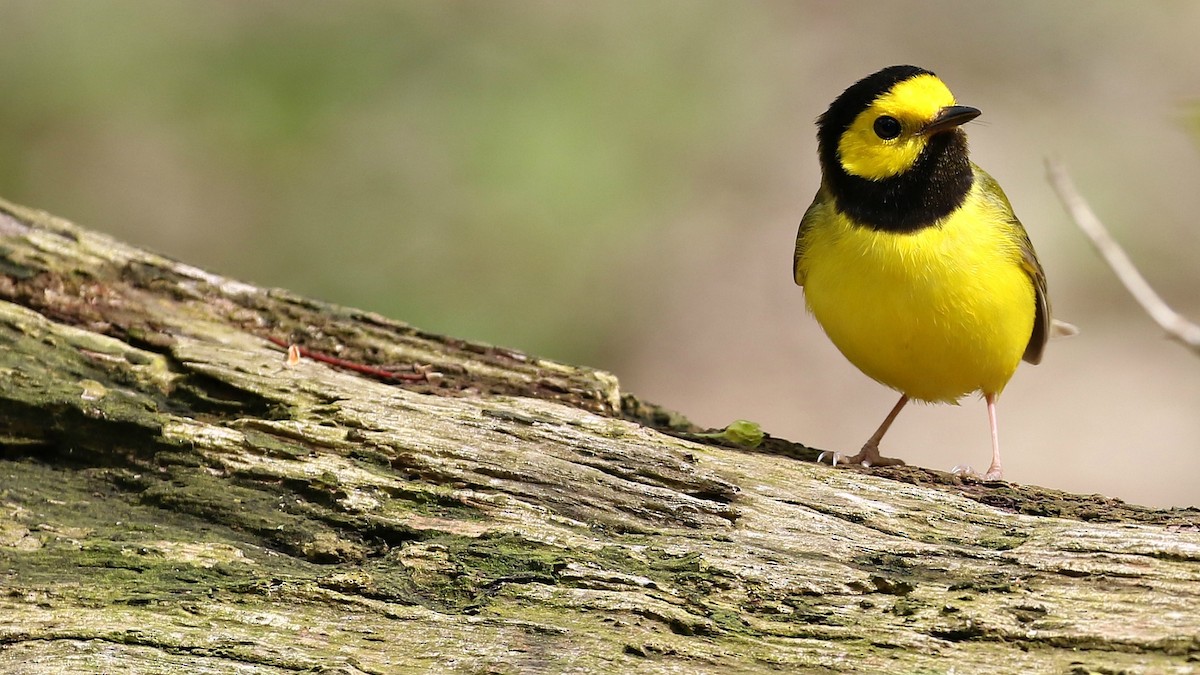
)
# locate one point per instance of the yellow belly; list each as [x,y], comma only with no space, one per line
[936,314]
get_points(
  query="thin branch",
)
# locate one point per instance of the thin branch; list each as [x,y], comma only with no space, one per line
[295,351]
[1176,326]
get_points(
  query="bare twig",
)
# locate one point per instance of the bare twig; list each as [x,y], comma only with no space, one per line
[1176,326]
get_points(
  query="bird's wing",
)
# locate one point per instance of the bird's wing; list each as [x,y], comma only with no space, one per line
[1029,262]
[1041,319]
[810,216]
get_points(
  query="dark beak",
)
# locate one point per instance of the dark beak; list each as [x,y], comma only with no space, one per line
[950,117]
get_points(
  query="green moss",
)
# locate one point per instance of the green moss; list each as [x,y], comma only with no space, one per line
[476,567]
[122,551]
[272,445]
[906,607]
[1001,542]
[254,510]
[998,582]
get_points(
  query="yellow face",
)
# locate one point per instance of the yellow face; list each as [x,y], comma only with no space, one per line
[869,149]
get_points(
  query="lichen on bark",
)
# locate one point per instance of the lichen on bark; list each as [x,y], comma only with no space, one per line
[176,497]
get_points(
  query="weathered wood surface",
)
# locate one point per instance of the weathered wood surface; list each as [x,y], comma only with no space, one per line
[176,497]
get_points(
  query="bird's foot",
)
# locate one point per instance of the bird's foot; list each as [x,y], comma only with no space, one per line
[869,456]
[966,471]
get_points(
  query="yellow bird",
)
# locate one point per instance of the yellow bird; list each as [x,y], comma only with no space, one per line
[910,256]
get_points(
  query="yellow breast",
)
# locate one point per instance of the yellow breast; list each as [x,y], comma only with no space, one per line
[937,313]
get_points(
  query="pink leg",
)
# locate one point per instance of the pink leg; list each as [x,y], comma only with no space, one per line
[869,455]
[995,471]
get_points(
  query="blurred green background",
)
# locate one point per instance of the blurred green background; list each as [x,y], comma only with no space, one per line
[618,184]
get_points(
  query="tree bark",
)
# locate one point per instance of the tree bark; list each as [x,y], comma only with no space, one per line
[177,496]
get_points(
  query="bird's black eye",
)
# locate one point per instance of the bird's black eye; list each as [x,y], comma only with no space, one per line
[887,127]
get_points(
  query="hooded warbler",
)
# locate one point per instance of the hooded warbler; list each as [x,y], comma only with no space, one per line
[910,256]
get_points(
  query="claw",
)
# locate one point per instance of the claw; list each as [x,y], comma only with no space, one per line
[964,471]
[836,458]
[866,459]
